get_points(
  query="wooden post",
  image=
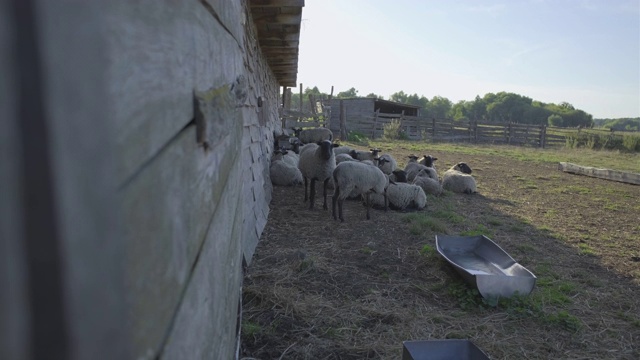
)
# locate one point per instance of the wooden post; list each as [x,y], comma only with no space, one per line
[343,122]
[475,131]
[375,123]
[402,123]
[543,136]
[433,130]
[300,108]
[284,95]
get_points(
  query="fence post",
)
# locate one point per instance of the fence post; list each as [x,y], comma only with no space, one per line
[509,132]
[433,129]
[543,135]
[375,124]
[475,130]
[343,122]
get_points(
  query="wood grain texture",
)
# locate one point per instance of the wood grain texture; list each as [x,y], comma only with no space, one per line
[607,174]
[160,52]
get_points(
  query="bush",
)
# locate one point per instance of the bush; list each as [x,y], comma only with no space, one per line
[392,131]
[631,142]
[358,138]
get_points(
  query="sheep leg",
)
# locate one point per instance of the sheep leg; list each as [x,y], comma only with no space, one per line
[312,193]
[324,193]
[386,200]
[340,202]
[366,200]
[305,190]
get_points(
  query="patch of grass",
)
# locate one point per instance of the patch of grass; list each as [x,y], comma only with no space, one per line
[478,230]
[525,248]
[448,215]
[421,222]
[358,138]
[494,221]
[367,250]
[251,329]
[467,298]
[611,206]
[517,228]
[565,320]
[428,251]
[586,249]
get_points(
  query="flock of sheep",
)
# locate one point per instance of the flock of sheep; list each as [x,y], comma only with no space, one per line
[311,156]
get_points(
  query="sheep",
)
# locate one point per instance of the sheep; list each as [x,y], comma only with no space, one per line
[342,150]
[315,135]
[387,163]
[427,182]
[458,179]
[317,163]
[290,158]
[372,154]
[399,176]
[401,196]
[281,173]
[343,157]
[351,175]
[414,167]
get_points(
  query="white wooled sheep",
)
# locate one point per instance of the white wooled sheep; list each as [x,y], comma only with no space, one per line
[342,150]
[350,176]
[290,158]
[282,173]
[315,135]
[387,163]
[428,183]
[343,157]
[317,162]
[414,167]
[459,180]
[401,196]
[372,154]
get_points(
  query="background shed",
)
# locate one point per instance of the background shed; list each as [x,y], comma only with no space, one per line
[135,145]
[359,113]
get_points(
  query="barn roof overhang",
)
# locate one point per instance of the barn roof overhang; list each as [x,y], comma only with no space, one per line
[278,26]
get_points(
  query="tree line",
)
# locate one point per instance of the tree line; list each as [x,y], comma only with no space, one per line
[502,107]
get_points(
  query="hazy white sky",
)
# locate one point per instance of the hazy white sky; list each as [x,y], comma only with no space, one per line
[583,52]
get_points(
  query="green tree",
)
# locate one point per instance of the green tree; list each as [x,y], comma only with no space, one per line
[555,120]
[349,94]
[375,96]
[399,97]
[439,107]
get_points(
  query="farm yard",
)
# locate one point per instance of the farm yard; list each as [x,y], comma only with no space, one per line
[321,289]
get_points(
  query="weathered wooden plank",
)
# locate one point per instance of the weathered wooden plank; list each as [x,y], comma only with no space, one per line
[15,340]
[607,174]
[210,304]
[167,209]
[160,51]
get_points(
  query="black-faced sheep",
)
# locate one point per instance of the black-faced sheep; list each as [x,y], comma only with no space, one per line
[317,162]
[350,176]
[401,196]
[387,163]
[458,179]
[399,176]
[414,167]
[372,154]
[315,135]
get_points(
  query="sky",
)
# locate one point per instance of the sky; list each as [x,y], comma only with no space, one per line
[584,52]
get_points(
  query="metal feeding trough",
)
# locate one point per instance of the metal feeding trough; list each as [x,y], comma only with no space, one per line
[451,349]
[483,264]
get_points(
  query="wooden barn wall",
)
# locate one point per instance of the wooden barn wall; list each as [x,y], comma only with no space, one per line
[154,226]
[354,108]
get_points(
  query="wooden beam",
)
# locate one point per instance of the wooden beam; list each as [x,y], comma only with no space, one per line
[607,174]
[276,3]
[284,19]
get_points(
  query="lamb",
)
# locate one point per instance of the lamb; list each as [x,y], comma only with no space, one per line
[282,173]
[317,163]
[352,175]
[372,154]
[401,196]
[458,179]
[314,135]
[290,158]
[427,182]
[387,163]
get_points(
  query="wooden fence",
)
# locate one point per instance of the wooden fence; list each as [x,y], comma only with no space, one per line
[421,128]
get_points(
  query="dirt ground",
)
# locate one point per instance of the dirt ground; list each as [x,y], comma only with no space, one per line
[321,289]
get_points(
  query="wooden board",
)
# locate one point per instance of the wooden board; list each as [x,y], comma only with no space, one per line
[607,174]
[160,51]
